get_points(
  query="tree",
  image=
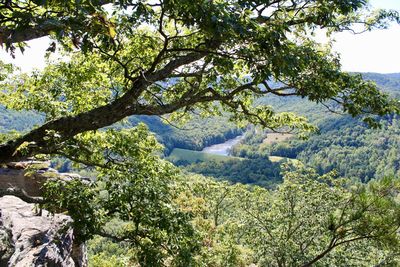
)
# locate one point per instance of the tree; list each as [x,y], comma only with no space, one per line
[308,220]
[135,190]
[161,57]
[313,220]
[22,21]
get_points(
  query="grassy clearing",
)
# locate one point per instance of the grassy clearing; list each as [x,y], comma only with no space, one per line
[276,138]
[276,158]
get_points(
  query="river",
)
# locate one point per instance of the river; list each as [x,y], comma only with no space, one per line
[223,148]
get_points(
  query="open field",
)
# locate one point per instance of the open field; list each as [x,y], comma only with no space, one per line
[276,138]
[276,158]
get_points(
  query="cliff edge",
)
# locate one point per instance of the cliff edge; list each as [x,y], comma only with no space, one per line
[29,237]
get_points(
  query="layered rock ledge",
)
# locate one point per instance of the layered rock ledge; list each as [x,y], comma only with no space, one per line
[30,236]
[25,179]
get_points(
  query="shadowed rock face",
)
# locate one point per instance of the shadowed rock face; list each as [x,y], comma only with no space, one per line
[20,175]
[13,178]
[27,178]
[28,238]
[31,239]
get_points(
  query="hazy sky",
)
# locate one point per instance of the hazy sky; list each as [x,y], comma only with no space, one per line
[376,51]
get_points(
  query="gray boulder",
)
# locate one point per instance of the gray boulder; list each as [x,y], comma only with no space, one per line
[32,238]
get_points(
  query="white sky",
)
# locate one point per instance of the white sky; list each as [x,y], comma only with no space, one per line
[376,51]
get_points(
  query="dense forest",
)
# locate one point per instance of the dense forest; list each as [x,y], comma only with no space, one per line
[308,219]
[344,147]
[260,171]
[345,144]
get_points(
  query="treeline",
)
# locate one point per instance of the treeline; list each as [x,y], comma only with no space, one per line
[387,82]
[260,171]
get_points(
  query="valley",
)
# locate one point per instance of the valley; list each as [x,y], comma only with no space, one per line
[175,133]
[344,144]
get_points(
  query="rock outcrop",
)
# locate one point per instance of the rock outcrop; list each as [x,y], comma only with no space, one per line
[29,237]
[25,179]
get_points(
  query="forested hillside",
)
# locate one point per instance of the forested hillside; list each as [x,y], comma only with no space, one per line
[345,144]
[18,121]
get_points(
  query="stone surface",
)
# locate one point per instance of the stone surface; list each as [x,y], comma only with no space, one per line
[31,239]
[28,177]
[19,179]
[28,163]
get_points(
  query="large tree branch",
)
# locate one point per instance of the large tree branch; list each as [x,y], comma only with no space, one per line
[42,140]
[16,33]
[333,244]
[8,35]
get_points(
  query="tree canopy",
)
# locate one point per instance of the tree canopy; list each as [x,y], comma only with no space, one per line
[308,220]
[160,57]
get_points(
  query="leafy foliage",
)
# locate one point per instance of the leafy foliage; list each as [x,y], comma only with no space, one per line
[309,219]
[157,58]
[72,194]
[134,186]
[173,220]
[176,58]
